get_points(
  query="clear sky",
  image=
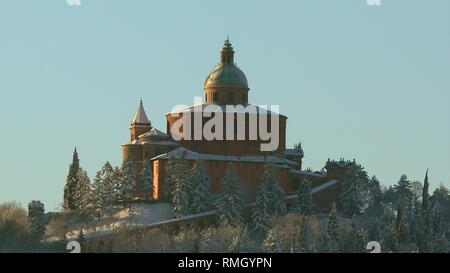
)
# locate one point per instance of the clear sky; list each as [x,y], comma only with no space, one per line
[356,81]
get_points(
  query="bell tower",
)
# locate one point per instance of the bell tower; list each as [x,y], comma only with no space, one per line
[140,124]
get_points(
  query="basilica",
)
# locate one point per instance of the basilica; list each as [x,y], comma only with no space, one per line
[226,86]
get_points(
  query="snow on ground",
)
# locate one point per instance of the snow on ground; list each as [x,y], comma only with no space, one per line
[118,217]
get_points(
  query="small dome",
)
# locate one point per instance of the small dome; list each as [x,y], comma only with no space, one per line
[226,75]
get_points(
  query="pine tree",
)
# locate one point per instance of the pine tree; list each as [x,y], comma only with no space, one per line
[270,200]
[230,203]
[404,196]
[71,183]
[375,206]
[278,197]
[147,187]
[201,197]
[102,189]
[304,197]
[36,218]
[260,210]
[169,175]
[128,181]
[116,183]
[82,196]
[332,233]
[181,188]
[349,195]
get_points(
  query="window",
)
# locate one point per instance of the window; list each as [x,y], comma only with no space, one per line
[206,97]
[215,97]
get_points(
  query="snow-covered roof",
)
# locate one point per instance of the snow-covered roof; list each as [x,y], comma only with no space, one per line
[141,116]
[134,142]
[162,142]
[211,108]
[317,174]
[154,132]
[191,155]
[316,189]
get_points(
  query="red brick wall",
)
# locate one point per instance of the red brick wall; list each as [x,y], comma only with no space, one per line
[230,147]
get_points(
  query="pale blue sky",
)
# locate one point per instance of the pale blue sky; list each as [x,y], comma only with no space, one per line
[371,83]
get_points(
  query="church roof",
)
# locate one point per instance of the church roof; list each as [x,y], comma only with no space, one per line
[141,117]
[154,132]
[177,153]
[249,108]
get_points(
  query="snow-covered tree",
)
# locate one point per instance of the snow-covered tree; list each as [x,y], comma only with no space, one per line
[83,192]
[270,200]
[128,181]
[71,183]
[182,182]
[332,233]
[230,203]
[353,240]
[375,206]
[242,243]
[404,195]
[169,177]
[260,210]
[102,188]
[278,195]
[201,195]
[116,183]
[355,190]
[271,243]
[36,218]
[146,185]
[277,205]
[304,205]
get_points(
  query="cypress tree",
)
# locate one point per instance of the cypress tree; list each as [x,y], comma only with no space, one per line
[71,183]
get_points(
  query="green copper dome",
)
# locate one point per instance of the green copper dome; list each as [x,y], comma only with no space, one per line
[226,74]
